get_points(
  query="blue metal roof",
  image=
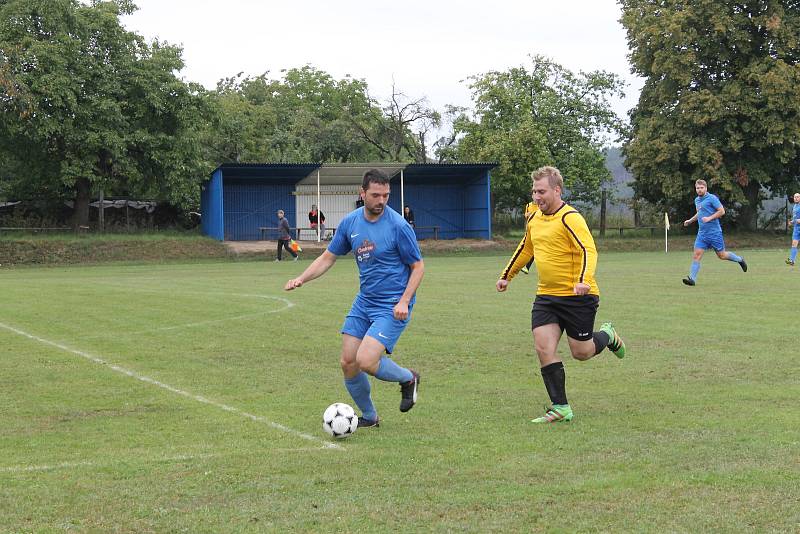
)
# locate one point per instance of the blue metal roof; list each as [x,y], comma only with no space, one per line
[267,170]
[433,170]
[301,170]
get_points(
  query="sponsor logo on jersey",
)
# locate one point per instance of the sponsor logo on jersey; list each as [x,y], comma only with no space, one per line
[365,252]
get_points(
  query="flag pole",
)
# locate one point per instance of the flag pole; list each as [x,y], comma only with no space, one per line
[666,229]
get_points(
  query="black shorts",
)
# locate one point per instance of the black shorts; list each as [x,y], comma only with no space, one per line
[573,314]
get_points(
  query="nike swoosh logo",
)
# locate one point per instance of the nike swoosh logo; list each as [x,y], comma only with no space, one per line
[353,235]
[380,334]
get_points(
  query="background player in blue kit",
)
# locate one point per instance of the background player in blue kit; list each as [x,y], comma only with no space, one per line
[390,270]
[709,233]
[795,220]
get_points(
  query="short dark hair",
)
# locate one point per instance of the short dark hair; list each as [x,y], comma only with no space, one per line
[374,176]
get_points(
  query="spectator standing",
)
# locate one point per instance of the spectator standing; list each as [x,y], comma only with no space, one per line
[408,215]
[284,237]
[316,217]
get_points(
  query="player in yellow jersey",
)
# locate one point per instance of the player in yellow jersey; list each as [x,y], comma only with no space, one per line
[567,296]
[530,209]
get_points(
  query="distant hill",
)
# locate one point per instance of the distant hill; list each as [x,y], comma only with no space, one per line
[621,191]
[615,164]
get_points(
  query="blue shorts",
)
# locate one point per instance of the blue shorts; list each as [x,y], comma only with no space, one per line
[706,241]
[377,322]
[796,232]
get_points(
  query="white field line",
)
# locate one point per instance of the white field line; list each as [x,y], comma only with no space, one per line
[287,304]
[162,385]
[70,465]
[177,458]
[201,292]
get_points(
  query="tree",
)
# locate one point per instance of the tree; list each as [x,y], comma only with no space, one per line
[305,116]
[721,100]
[399,130]
[542,115]
[445,147]
[89,106]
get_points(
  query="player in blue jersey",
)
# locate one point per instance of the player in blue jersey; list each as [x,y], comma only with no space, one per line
[709,234]
[390,270]
[795,220]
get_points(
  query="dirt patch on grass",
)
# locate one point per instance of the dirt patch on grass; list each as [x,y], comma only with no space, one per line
[428,246]
[150,248]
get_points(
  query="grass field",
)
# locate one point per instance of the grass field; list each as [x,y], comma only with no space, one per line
[188,398]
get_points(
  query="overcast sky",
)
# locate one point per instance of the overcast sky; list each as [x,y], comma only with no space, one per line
[426,47]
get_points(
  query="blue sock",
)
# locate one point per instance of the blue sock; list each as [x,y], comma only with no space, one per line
[359,389]
[389,371]
[793,253]
[695,269]
[734,257]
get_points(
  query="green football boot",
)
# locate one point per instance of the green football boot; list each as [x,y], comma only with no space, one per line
[559,413]
[616,345]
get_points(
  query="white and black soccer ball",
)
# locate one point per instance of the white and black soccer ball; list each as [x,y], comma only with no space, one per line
[339,420]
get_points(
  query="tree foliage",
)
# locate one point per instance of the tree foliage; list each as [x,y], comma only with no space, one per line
[721,99]
[526,117]
[399,130]
[307,115]
[87,105]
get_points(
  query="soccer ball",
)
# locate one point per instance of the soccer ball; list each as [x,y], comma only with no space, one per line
[339,420]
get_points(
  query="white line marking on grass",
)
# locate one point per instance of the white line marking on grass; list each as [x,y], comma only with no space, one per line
[162,385]
[288,304]
[29,468]
[177,458]
[68,465]
[204,293]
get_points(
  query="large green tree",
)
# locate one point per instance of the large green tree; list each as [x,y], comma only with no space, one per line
[544,114]
[307,115]
[721,100]
[89,106]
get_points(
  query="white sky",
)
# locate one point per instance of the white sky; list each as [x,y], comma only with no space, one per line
[426,46]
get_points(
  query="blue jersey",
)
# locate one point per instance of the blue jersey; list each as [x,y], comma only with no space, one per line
[707,205]
[795,214]
[383,249]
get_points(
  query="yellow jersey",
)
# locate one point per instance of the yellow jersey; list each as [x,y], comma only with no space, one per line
[564,251]
[530,209]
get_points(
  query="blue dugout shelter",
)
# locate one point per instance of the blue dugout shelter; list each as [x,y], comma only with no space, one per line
[240,200]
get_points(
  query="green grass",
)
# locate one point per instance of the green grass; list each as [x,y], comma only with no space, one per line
[107,248]
[696,430]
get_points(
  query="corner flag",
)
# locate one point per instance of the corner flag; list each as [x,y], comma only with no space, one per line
[666,229]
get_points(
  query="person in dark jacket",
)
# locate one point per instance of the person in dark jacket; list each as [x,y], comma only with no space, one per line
[408,215]
[315,217]
[284,237]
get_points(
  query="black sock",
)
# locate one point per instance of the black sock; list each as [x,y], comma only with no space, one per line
[555,381]
[601,341]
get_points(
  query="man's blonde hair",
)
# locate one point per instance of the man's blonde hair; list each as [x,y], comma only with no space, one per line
[552,174]
[701,182]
